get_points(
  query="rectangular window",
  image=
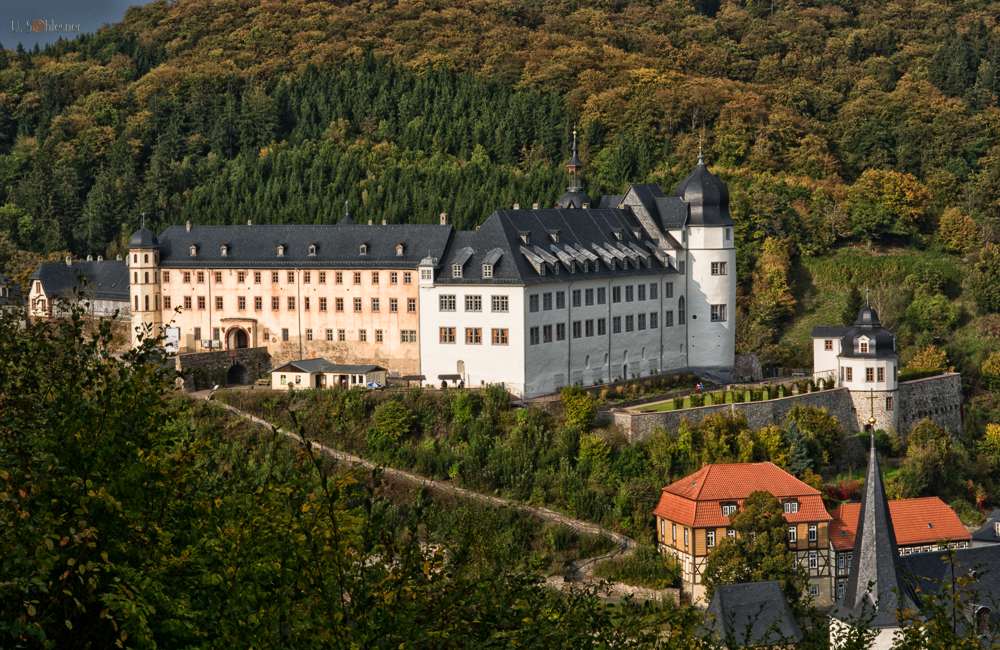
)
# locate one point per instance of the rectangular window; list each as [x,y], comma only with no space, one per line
[533,336]
[629,293]
[588,297]
[616,294]
[378,336]
[375,304]
[241,303]
[393,305]
[499,303]
[166,302]
[411,305]
[339,277]
[187,277]
[305,303]
[577,329]
[447,334]
[869,374]
[197,334]
[201,302]
[718,313]
[560,331]
[322,304]
[813,590]
[275,303]
[309,335]
[341,335]
[473,303]
[201,277]
[791,507]
[546,334]
[602,327]
[533,302]
[673,532]
[616,325]
[718,268]
[218,277]
[652,321]
[329,335]
[577,297]
[668,290]
[864,347]
[888,403]
[446,303]
[840,590]
[291,277]
[258,303]
[322,277]
[473,335]
[357,277]
[406,280]
[284,334]
[560,300]
[357,304]
[339,302]
[306,277]
[793,534]
[828,345]
[849,373]
[500,337]
[274,277]
[680,268]
[685,537]
[813,534]
[668,318]
[629,323]
[813,561]
[652,290]
[588,328]
[547,301]
[166,277]
[663,528]
[363,336]
[408,336]
[374,277]
[393,278]
[710,538]
[291,303]
[641,292]
[641,321]
[881,374]
[728,510]
[840,561]
[731,534]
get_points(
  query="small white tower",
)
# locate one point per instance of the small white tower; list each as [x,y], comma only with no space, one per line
[144,281]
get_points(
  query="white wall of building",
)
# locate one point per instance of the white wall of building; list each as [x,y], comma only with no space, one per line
[710,344]
[825,362]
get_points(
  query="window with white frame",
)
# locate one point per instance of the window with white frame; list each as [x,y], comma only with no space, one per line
[791,507]
[728,509]
[718,313]
[426,274]
[487,270]
[710,538]
[473,303]
[813,590]
[813,561]
[499,303]
[840,560]
[673,531]
[685,537]
[731,534]
[718,268]
[456,270]
[793,534]
[813,533]
[446,303]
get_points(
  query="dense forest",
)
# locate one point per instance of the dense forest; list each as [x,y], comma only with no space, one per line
[862,133]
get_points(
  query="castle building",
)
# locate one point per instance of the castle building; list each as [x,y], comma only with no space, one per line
[542,298]
[344,292]
[692,517]
[55,286]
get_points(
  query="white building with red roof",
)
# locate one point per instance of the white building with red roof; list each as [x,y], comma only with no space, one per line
[693,516]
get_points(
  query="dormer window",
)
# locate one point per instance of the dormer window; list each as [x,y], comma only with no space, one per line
[399,250]
[525,237]
[618,233]
[996,529]
[487,270]
[791,507]
[312,250]
[224,251]
[554,235]
[728,509]
[456,270]
[281,251]
[194,250]
[637,234]
[363,249]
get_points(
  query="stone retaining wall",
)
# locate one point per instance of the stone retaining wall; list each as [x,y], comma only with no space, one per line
[214,367]
[935,398]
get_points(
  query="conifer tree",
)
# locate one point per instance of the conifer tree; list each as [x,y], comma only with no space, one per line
[855,301]
[799,460]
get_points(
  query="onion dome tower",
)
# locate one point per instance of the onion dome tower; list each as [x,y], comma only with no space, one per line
[707,196]
[574,197]
[144,276]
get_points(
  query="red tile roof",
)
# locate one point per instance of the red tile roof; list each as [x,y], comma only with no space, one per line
[909,520]
[697,499]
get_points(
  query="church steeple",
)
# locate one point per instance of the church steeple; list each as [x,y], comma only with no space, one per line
[575,196]
[874,558]
[574,166]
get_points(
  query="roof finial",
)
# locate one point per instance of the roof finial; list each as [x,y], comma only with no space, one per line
[867,304]
[347,211]
[143,219]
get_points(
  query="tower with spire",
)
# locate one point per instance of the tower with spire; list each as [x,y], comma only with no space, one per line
[575,196]
[144,261]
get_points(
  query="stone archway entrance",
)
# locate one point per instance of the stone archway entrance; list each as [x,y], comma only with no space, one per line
[237,374]
[237,338]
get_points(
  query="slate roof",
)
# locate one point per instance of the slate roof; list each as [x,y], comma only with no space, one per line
[503,230]
[322,365]
[988,531]
[867,325]
[707,196]
[15,297]
[753,613]
[337,246]
[929,571]
[143,238]
[574,198]
[696,500]
[110,278]
[909,520]
[874,558]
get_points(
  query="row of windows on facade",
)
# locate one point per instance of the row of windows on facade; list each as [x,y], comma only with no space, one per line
[847,373]
[793,533]
[307,276]
[588,297]
[258,303]
[474,335]
[864,347]
[280,250]
[405,336]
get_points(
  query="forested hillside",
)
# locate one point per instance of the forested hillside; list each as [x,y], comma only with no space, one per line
[835,124]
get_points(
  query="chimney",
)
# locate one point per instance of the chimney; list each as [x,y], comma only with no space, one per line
[69,261]
[119,257]
[369,222]
[100,258]
[189,226]
[704,464]
[383,222]
[249,222]
[534,206]
[90,258]
[586,205]
[444,218]
[517,206]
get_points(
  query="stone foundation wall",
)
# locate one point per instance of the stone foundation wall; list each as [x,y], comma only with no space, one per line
[202,370]
[640,426]
[935,398]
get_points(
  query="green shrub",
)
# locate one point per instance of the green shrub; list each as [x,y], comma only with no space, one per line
[967,513]
[578,406]
[644,567]
[678,402]
[697,400]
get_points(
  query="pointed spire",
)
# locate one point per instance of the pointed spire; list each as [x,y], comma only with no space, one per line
[701,159]
[347,221]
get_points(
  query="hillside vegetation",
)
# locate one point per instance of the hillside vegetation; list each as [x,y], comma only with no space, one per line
[859,139]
